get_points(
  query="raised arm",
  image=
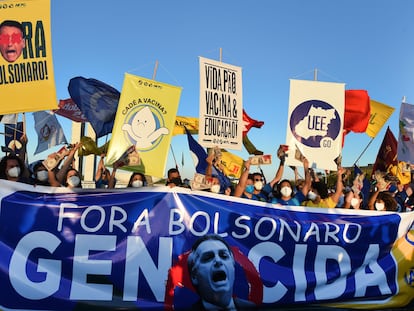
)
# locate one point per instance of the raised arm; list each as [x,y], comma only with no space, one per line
[241,185]
[308,178]
[112,179]
[209,168]
[100,169]
[67,163]
[339,185]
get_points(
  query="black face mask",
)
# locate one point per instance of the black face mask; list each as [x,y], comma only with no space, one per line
[177,181]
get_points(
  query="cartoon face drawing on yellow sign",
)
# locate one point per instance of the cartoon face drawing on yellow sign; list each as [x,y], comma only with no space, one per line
[143,129]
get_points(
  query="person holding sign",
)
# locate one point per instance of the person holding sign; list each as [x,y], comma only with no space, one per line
[318,196]
[255,186]
[12,41]
[285,194]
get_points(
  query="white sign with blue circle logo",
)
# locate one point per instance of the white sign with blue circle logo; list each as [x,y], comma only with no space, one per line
[315,122]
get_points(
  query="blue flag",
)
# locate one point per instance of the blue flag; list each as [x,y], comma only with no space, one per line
[201,165]
[12,135]
[97,101]
[199,153]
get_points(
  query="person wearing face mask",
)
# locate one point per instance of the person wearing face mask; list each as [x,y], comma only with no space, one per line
[382,201]
[318,195]
[42,176]
[174,178]
[137,180]
[214,180]
[62,173]
[12,168]
[354,200]
[255,186]
[284,190]
[73,179]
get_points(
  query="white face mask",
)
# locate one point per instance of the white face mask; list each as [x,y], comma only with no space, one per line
[14,172]
[379,206]
[355,202]
[73,181]
[215,188]
[286,191]
[42,175]
[258,185]
[137,183]
[312,195]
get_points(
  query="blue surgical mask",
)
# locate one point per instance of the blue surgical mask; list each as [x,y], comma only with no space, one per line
[250,188]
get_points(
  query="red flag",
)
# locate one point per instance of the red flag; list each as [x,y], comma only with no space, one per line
[387,153]
[357,111]
[68,109]
[248,123]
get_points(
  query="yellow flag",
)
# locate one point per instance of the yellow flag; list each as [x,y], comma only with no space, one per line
[26,70]
[231,164]
[379,115]
[402,171]
[190,123]
[145,118]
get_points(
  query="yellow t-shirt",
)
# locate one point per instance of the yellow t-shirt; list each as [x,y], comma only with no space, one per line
[328,203]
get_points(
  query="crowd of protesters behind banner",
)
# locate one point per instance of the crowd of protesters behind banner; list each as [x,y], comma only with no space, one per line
[385,192]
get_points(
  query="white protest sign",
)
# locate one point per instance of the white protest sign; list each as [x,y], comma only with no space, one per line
[221,108]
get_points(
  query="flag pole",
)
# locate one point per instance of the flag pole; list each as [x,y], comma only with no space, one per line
[363,151]
[221,54]
[155,70]
[26,156]
[175,160]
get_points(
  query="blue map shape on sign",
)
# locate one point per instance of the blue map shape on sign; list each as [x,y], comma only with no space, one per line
[314,120]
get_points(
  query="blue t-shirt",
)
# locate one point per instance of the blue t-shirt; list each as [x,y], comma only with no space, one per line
[296,200]
[262,196]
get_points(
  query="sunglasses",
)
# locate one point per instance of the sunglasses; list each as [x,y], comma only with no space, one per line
[260,179]
[15,38]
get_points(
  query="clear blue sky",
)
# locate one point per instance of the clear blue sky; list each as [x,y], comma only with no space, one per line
[364,44]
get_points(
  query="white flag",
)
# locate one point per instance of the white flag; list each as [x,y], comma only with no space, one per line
[9,118]
[406,136]
[315,123]
[49,131]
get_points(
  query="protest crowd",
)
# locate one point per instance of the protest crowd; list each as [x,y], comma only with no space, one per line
[383,191]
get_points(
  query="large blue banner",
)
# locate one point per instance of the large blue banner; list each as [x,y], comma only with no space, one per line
[141,249]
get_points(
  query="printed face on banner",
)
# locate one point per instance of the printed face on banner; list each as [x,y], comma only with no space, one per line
[12,41]
[166,250]
[26,65]
[23,41]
